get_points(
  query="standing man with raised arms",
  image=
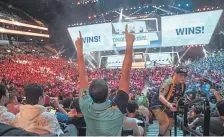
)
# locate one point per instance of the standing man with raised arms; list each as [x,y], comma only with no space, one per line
[102,117]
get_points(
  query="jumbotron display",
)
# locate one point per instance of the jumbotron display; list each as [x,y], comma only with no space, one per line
[189,29]
[178,30]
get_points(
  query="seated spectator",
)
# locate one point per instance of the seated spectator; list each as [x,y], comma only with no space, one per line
[216,123]
[20,98]
[130,122]
[102,117]
[67,103]
[132,108]
[196,112]
[78,119]
[5,116]
[33,116]
[13,105]
[6,130]
[142,109]
[112,94]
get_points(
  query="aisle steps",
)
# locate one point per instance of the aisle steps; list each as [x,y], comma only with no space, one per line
[153,130]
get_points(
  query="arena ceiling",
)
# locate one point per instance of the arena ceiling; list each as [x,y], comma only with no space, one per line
[50,11]
[58,14]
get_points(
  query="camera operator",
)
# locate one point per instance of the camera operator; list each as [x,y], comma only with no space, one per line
[58,110]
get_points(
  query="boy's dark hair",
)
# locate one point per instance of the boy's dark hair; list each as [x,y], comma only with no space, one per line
[198,109]
[113,91]
[98,90]
[132,106]
[75,105]
[33,92]
[67,102]
[2,90]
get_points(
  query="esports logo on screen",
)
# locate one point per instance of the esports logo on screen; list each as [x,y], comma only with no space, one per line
[147,33]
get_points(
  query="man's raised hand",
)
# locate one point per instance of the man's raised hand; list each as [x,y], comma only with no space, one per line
[130,38]
[79,43]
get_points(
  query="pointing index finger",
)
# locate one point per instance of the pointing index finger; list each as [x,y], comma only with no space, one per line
[126,28]
[80,35]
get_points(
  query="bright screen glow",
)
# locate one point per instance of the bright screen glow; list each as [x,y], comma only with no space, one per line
[178,30]
[189,29]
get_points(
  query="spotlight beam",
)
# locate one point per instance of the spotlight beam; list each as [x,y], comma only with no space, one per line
[92,58]
[184,53]
[166,11]
[103,18]
[152,12]
[136,11]
[93,66]
[122,15]
[186,11]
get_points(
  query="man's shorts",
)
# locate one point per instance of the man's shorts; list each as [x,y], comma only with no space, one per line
[161,116]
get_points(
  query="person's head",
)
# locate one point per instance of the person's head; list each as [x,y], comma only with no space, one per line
[180,74]
[13,98]
[113,91]
[212,99]
[132,106]
[137,95]
[47,101]
[198,109]
[20,93]
[75,105]
[220,108]
[34,94]
[74,93]
[142,100]
[67,102]
[191,94]
[98,91]
[4,95]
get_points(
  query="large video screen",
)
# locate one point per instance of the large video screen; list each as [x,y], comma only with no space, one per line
[147,33]
[110,36]
[177,30]
[96,37]
[189,29]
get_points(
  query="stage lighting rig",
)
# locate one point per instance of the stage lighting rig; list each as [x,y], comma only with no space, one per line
[82,2]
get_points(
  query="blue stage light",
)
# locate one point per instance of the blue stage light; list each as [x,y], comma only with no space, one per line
[179,5]
[187,5]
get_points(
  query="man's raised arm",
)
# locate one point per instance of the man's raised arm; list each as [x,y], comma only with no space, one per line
[83,79]
[127,63]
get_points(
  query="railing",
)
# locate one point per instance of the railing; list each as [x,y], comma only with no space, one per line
[186,129]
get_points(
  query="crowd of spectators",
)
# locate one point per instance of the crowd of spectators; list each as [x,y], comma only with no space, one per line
[26,65]
[23,49]
[57,74]
[210,68]
[58,77]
